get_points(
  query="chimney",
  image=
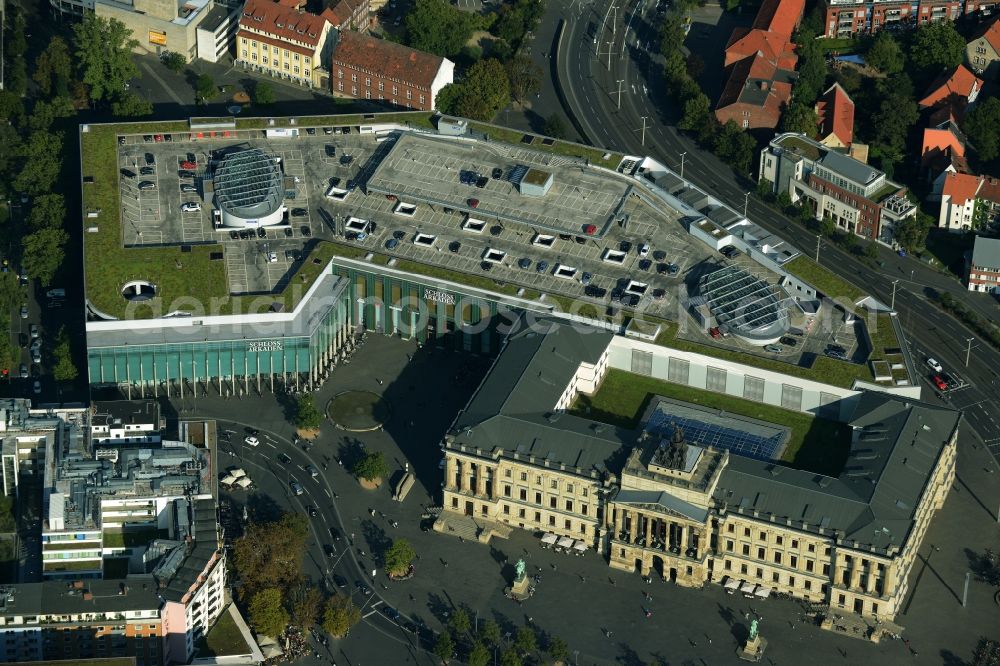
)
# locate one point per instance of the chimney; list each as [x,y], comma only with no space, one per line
[763,85]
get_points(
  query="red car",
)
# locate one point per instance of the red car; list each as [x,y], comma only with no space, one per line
[590,229]
[474,203]
[157,137]
[941,384]
[188,165]
[715,332]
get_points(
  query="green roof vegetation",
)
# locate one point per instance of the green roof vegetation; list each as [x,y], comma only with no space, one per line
[824,369]
[133,537]
[825,281]
[801,146]
[223,639]
[886,190]
[71,565]
[595,155]
[815,444]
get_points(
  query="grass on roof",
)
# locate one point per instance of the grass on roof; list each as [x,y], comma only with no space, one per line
[223,639]
[803,146]
[825,281]
[511,136]
[824,369]
[133,537]
[815,444]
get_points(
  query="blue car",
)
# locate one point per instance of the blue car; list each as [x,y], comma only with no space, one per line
[541,266]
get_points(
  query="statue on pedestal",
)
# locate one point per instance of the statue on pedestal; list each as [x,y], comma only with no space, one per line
[753,630]
[519,570]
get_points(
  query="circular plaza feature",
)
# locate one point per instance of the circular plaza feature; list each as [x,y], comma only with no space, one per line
[751,308]
[358,411]
[249,189]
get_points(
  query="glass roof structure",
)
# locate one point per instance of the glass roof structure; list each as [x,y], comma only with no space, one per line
[747,305]
[248,185]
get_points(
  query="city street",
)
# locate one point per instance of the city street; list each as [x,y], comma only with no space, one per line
[425,394]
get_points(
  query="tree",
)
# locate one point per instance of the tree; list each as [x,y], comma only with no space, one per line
[871,250]
[371,467]
[987,653]
[444,648]
[270,554]
[734,146]
[987,567]
[526,642]
[104,53]
[437,27]
[47,210]
[305,603]
[460,622]
[478,655]
[267,616]
[398,558]
[896,113]
[799,117]
[307,416]
[812,72]
[557,649]
[524,75]
[64,370]
[509,25]
[263,94]
[340,615]
[173,61]
[41,156]
[696,112]
[16,75]
[936,46]
[132,106]
[885,54]
[491,633]
[510,658]
[485,90]
[53,68]
[982,126]
[695,65]
[204,88]
[555,127]
[44,114]
[44,252]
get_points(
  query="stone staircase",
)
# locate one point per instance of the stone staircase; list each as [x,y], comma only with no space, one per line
[470,528]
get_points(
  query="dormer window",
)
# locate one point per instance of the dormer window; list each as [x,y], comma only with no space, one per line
[280,25]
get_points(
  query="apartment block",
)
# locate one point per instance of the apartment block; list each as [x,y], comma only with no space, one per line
[984,266]
[161,26]
[857,197]
[283,41]
[849,18]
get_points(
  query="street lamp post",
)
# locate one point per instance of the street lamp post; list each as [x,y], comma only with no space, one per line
[892,305]
[643,136]
[682,164]
[968,350]
[620,82]
[818,238]
[746,202]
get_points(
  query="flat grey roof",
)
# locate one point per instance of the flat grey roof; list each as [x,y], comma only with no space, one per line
[986,252]
[424,169]
[63,598]
[849,168]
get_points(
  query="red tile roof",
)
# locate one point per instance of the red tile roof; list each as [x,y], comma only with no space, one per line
[990,189]
[285,25]
[757,82]
[341,13]
[960,187]
[387,59]
[960,85]
[769,44]
[940,140]
[991,34]
[835,114]
[780,16]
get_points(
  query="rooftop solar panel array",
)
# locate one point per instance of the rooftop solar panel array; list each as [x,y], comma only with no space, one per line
[664,420]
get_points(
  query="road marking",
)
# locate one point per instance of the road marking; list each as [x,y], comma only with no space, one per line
[327,491]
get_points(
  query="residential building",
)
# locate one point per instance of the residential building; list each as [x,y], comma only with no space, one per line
[856,197]
[943,149]
[850,18]
[349,15]
[968,202]
[365,67]
[958,88]
[95,619]
[283,41]
[983,51]
[28,435]
[761,67]
[660,502]
[160,26]
[835,118]
[984,266]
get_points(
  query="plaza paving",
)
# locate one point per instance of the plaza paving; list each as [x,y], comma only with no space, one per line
[578,598]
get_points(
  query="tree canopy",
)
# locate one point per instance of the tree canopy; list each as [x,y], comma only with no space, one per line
[885,54]
[460,622]
[735,147]
[44,253]
[896,112]
[267,616]
[174,61]
[372,466]
[525,640]
[63,370]
[524,75]
[54,68]
[47,210]
[478,655]
[131,105]
[937,46]
[399,556]
[982,126]
[263,94]
[306,414]
[555,126]
[305,603]
[437,27]
[480,95]
[270,554]
[444,648]
[987,653]
[41,157]
[204,88]
[340,615]
[557,648]
[104,54]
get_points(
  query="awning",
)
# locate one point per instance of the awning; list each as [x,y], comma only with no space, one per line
[565,542]
[580,546]
[732,584]
[243,482]
[228,480]
[763,592]
[747,588]
[549,537]
[238,472]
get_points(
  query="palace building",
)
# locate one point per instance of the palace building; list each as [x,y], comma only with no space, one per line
[694,495]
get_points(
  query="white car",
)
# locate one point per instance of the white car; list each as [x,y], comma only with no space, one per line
[934,365]
[252,441]
[272,258]
[191,207]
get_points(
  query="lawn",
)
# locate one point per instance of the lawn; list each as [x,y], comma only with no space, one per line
[824,369]
[133,537]
[825,281]
[223,639]
[816,444]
